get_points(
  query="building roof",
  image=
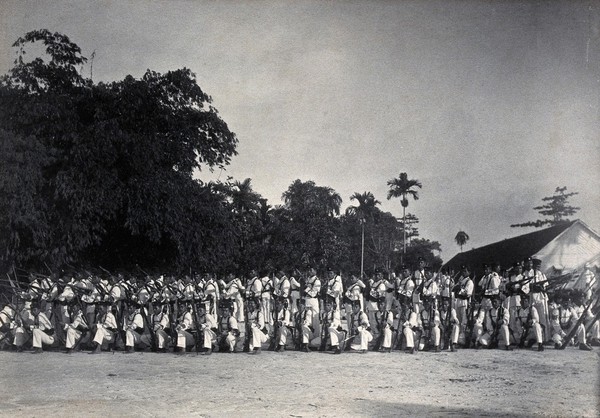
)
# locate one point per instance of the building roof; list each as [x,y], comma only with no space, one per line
[508,251]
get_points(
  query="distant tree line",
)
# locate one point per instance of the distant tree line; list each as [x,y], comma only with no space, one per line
[102,174]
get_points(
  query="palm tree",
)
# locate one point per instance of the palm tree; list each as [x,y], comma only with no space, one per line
[244,199]
[365,210]
[403,187]
[461,239]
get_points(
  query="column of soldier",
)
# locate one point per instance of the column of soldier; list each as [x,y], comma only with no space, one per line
[416,310]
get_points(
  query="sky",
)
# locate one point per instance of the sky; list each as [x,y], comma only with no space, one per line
[490,104]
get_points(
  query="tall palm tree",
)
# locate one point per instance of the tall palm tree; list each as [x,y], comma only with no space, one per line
[461,239]
[365,210]
[402,187]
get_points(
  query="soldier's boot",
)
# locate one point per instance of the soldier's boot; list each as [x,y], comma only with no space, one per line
[305,348]
[540,347]
[38,350]
[279,348]
[98,349]
[585,347]
[257,350]
[436,349]
[336,349]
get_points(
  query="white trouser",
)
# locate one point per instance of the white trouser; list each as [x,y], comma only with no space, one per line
[336,336]
[313,303]
[409,336]
[387,338]
[73,336]
[284,334]
[40,337]
[362,340]
[132,338]
[258,337]
[103,336]
[184,339]
[435,336]
[503,334]
[230,340]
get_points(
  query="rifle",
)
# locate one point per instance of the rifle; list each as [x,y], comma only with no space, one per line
[247,327]
[470,323]
[198,324]
[324,331]
[298,330]
[276,327]
[573,330]
[525,329]
[351,332]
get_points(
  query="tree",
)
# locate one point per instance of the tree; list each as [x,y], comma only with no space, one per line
[557,207]
[308,199]
[461,239]
[103,172]
[365,211]
[402,187]
[425,249]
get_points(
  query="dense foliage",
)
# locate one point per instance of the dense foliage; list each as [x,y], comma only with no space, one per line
[102,174]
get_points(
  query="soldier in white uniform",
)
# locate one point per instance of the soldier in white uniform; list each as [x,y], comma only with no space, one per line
[312,292]
[418,279]
[527,325]
[497,319]
[463,292]
[228,327]
[537,287]
[281,322]
[185,330]
[256,321]
[106,329]
[303,323]
[42,330]
[134,329]
[360,330]
[354,293]
[450,325]
[160,324]
[411,328]
[564,319]
[490,286]
[384,319]
[76,330]
[335,288]
[207,327]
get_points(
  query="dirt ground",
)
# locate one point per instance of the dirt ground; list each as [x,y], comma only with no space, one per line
[294,384]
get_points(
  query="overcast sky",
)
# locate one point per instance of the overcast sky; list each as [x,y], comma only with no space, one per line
[491,105]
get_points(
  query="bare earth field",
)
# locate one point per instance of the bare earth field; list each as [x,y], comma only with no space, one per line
[294,384]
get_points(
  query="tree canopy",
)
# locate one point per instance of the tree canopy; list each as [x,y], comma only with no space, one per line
[94,168]
[557,208]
